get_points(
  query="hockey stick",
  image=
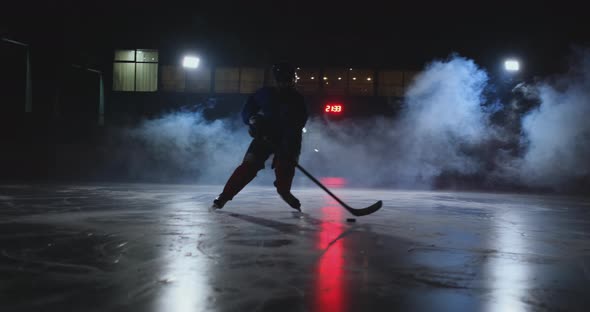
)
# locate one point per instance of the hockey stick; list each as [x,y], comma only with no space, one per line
[356,212]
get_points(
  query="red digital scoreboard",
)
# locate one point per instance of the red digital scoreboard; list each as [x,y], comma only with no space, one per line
[333,108]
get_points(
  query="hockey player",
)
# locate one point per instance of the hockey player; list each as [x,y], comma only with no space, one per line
[275,117]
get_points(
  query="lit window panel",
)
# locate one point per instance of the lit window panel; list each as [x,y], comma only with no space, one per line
[135,70]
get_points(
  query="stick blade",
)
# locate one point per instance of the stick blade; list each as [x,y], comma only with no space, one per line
[365,211]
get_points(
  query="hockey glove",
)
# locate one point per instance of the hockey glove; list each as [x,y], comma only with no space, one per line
[256,126]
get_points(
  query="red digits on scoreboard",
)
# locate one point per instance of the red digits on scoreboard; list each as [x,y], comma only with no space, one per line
[330,108]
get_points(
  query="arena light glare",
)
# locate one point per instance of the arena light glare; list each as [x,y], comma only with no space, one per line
[190,62]
[511,65]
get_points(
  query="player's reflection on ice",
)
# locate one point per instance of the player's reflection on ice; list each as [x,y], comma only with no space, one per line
[331,285]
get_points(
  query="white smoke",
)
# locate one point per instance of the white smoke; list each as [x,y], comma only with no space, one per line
[443,129]
[358,150]
[441,122]
[442,119]
[557,133]
[187,145]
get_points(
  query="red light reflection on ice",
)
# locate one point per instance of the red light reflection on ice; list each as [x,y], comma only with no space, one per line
[330,288]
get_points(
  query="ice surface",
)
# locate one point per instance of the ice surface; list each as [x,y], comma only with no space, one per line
[149,247]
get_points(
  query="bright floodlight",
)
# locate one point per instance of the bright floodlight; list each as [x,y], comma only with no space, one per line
[190,62]
[511,65]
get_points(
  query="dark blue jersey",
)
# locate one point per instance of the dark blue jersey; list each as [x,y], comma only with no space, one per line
[284,113]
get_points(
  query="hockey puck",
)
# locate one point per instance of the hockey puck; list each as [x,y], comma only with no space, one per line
[351,220]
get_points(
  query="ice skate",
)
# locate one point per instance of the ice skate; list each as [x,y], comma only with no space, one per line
[218,203]
[292,201]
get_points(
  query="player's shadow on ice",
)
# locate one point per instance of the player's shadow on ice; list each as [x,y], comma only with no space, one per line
[294,229]
[282,227]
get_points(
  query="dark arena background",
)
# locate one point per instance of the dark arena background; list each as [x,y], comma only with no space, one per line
[120,123]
